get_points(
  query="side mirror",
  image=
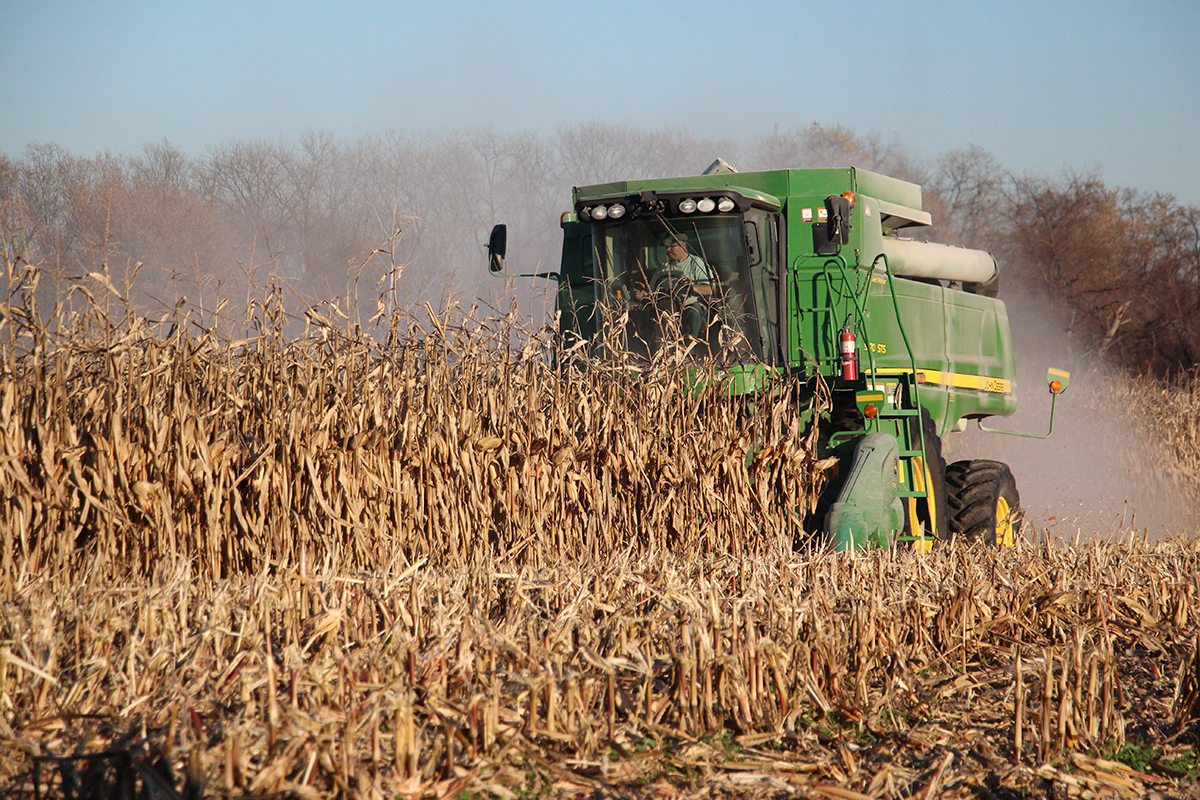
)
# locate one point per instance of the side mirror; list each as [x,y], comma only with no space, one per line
[837,212]
[497,247]
[833,231]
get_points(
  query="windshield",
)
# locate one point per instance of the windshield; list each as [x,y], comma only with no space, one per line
[706,283]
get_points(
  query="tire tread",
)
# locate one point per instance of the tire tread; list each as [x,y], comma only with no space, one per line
[975,487]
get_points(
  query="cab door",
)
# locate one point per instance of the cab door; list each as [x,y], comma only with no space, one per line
[578,318]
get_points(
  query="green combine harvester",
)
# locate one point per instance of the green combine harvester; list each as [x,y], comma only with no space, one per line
[807,273]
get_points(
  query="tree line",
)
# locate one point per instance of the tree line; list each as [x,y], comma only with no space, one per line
[398,219]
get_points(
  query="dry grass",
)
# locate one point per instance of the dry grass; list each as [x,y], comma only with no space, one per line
[1169,413]
[881,673]
[452,446]
[326,567]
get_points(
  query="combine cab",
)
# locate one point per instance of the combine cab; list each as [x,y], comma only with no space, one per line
[813,272]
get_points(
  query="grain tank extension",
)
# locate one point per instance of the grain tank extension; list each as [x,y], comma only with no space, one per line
[817,274]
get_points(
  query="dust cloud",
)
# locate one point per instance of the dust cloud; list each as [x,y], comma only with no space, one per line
[1101,475]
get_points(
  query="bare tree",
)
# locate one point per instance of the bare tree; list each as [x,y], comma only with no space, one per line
[967,195]
[1123,262]
[823,147]
[335,218]
[163,166]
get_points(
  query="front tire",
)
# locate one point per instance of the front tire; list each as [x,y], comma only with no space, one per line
[984,503]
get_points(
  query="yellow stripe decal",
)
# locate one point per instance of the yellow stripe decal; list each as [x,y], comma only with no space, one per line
[959,380]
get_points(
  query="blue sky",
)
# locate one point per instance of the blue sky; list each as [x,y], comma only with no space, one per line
[1045,87]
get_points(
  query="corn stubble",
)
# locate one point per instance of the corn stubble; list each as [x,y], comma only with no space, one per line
[325,567]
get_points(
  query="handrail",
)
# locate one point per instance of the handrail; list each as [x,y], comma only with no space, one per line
[912,358]
[842,267]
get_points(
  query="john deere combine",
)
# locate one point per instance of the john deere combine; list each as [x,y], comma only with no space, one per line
[809,272]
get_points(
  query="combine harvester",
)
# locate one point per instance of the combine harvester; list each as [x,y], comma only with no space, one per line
[805,273]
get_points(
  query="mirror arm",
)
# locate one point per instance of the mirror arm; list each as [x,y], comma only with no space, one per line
[1046,435]
[497,248]
[1057,381]
[554,276]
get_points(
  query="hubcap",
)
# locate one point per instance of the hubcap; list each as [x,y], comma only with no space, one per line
[923,482]
[1005,535]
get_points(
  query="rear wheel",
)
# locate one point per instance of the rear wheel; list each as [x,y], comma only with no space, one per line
[928,516]
[984,503]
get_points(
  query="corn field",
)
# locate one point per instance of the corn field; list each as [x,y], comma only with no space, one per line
[439,566]
[1167,412]
[452,447]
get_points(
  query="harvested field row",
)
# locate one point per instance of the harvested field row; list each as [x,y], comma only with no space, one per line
[954,673]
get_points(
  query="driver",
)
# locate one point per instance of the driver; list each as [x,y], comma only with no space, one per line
[692,271]
[682,264]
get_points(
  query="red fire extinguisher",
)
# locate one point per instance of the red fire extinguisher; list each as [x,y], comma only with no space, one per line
[848,347]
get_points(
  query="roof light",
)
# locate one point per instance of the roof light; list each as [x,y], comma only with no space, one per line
[687,206]
[616,211]
[724,205]
[599,212]
[706,204]
[585,214]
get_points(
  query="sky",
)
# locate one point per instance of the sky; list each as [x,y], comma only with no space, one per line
[1111,88]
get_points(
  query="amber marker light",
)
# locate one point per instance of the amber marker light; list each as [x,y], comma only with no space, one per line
[870,411]
[849,196]
[1055,387]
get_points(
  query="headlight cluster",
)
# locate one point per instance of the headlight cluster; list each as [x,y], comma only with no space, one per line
[688,205]
[705,205]
[598,213]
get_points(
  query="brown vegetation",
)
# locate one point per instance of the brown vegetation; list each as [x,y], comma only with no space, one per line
[1126,265]
[1166,414]
[327,567]
[958,673]
[450,445]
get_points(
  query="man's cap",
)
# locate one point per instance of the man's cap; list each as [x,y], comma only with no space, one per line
[669,238]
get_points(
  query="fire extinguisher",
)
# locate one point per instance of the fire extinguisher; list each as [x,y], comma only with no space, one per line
[848,346]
